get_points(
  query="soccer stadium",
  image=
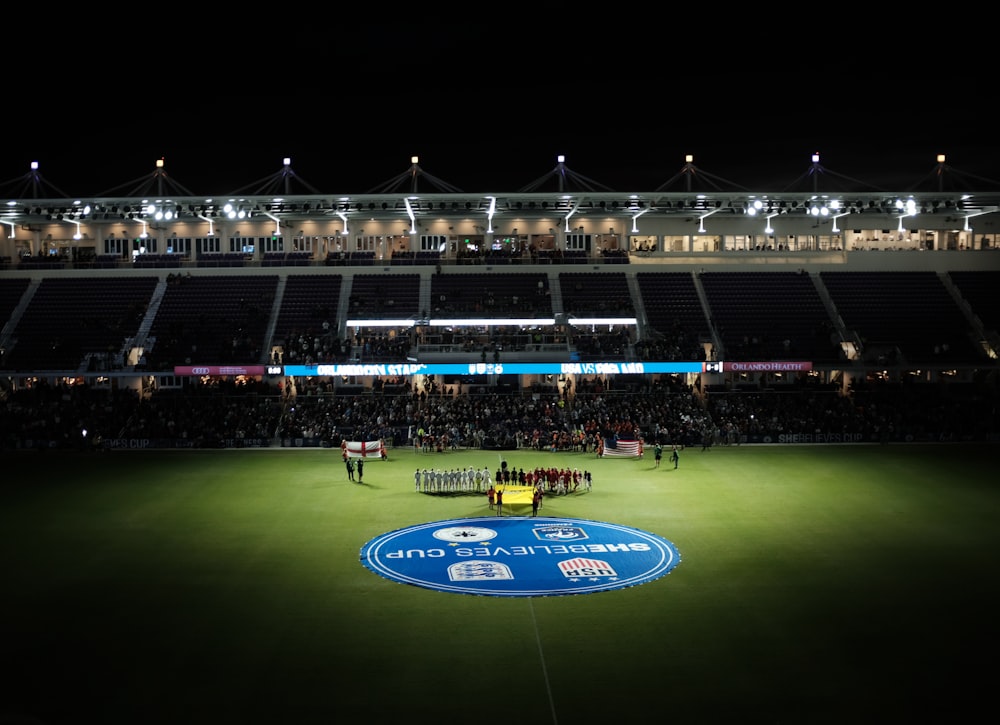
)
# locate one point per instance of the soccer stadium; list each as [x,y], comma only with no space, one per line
[830,287]
[251,434]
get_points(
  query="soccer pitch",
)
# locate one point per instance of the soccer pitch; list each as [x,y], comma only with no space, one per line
[817,584]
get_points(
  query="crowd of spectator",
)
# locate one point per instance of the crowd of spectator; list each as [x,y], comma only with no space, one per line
[664,410]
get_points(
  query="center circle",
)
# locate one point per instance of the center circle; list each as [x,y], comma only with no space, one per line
[520,557]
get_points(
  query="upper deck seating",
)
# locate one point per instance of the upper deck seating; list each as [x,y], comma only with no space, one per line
[596,294]
[674,312]
[384,296]
[69,317]
[770,316]
[11,292]
[981,289]
[490,294]
[212,319]
[309,305]
[908,313]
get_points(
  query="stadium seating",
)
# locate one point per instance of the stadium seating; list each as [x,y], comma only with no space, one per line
[505,294]
[596,294]
[769,316]
[922,318]
[674,315]
[308,301]
[909,315]
[217,317]
[384,296]
[981,290]
[71,317]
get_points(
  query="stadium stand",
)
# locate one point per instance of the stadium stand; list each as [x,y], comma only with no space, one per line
[910,315]
[770,316]
[507,294]
[384,296]
[895,328]
[596,294]
[981,290]
[72,323]
[215,317]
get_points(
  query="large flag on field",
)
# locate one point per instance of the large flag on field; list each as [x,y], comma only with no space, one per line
[621,449]
[364,449]
[516,494]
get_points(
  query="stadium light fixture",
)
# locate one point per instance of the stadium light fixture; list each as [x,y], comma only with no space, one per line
[276,220]
[410,213]
[235,212]
[968,227]
[491,210]
[160,213]
[769,229]
[635,219]
[343,218]
[701,219]
[906,208]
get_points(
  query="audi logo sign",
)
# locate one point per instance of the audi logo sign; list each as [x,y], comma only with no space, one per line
[219,370]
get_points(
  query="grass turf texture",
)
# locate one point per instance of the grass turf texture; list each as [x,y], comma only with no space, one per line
[825,584]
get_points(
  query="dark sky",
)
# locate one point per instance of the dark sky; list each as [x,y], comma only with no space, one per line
[477,148]
[624,117]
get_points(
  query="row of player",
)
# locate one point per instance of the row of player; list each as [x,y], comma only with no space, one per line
[474,480]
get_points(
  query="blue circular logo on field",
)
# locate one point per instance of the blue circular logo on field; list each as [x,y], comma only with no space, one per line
[520,557]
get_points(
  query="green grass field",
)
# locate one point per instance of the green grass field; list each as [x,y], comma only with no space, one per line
[838,584]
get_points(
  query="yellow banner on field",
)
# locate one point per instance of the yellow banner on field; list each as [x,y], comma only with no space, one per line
[516,494]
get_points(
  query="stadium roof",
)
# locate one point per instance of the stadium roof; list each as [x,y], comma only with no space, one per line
[563,192]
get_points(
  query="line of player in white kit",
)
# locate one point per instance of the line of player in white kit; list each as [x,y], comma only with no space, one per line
[455,480]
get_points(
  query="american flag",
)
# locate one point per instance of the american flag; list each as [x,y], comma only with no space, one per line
[622,449]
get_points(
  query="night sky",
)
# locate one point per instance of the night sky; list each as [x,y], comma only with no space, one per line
[486,120]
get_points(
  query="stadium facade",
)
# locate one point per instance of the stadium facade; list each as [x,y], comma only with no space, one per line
[830,279]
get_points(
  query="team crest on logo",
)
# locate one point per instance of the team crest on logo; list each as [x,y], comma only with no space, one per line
[478,571]
[559,533]
[582,566]
[466,534]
